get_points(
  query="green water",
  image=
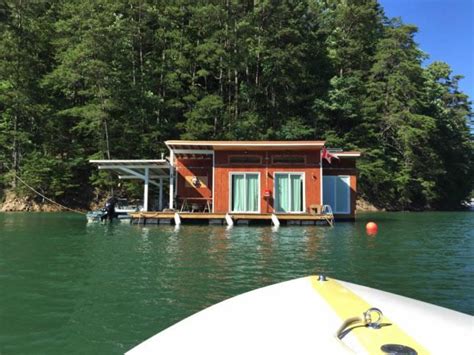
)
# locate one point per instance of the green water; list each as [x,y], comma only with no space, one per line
[69,287]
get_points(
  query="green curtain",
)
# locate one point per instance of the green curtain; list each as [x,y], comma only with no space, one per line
[296,182]
[282,193]
[252,192]
[289,192]
[238,193]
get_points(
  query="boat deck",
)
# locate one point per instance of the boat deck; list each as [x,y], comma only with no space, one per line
[237,218]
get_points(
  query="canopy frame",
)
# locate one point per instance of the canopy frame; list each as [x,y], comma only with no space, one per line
[152,172]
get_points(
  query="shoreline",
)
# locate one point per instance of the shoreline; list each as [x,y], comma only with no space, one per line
[49,208]
[14,203]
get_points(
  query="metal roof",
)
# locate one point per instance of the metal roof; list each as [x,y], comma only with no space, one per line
[348,154]
[207,147]
[136,169]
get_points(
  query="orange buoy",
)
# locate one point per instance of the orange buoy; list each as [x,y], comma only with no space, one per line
[371,228]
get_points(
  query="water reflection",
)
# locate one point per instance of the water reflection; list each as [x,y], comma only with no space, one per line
[265,247]
[312,238]
[219,244]
[71,286]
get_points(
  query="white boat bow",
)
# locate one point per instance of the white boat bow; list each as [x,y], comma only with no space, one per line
[303,316]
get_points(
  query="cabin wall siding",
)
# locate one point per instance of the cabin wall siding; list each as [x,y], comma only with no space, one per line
[187,168]
[267,170]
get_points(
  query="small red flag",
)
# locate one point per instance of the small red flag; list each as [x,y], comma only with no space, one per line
[328,156]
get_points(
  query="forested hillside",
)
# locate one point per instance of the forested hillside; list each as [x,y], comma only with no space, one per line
[84,79]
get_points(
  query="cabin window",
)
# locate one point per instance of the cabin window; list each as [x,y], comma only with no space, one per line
[336,193]
[289,159]
[289,192]
[245,192]
[245,159]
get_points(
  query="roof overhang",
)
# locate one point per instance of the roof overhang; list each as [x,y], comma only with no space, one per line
[208,147]
[156,169]
[347,154]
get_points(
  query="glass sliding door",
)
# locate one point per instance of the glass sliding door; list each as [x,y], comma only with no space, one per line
[289,192]
[336,193]
[342,194]
[329,193]
[296,193]
[245,192]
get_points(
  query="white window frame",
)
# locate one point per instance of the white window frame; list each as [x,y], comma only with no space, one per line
[245,173]
[300,173]
[335,192]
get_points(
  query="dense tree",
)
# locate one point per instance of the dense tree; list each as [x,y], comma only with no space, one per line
[82,79]
[393,104]
[24,58]
[352,30]
[449,107]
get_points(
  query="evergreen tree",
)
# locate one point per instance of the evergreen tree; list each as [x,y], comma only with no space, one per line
[394,105]
[352,30]
[24,58]
[451,139]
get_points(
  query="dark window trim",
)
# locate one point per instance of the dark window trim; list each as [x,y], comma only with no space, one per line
[230,162]
[288,162]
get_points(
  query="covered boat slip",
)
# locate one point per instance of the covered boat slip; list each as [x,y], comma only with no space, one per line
[152,172]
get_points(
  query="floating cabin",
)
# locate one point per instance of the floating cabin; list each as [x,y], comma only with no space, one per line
[226,182]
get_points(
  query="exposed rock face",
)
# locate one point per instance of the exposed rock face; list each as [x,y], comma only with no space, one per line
[97,204]
[14,203]
[363,205]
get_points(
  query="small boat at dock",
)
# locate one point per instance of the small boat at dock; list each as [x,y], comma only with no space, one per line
[123,211]
[316,315]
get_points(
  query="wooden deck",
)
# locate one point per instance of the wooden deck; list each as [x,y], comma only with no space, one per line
[238,218]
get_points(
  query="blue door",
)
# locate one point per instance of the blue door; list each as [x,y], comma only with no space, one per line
[337,193]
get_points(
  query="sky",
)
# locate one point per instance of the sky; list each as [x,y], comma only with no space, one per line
[446,32]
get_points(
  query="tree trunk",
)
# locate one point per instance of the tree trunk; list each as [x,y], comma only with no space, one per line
[106,131]
[134,80]
[15,155]
[16,144]
[236,94]
[257,72]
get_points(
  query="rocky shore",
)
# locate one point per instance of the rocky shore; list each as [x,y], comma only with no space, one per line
[365,206]
[12,202]
[15,203]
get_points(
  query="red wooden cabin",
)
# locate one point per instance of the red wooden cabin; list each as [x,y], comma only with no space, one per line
[259,177]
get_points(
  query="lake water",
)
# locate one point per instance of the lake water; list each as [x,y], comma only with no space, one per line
[69,287]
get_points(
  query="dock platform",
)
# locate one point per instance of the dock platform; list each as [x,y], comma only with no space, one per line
[237,218]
